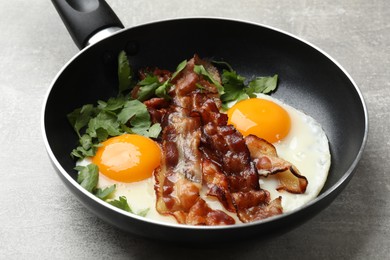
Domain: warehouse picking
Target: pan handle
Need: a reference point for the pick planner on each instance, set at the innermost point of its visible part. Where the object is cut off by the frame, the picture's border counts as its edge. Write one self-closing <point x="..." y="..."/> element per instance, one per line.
<point x="86" y="18"/>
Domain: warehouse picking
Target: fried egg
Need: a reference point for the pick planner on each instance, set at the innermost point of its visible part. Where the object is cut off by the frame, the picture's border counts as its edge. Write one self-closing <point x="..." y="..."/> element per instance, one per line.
<point x="297" y="137"/>
<point x="128" y="161"/>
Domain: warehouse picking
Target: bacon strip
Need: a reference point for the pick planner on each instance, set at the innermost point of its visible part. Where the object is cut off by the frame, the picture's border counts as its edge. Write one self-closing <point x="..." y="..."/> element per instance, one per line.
<point x="225" y="147"/>
<point x="199" y="148"/>
<point x="179" y="178"/>
<point x="267" y="162"/>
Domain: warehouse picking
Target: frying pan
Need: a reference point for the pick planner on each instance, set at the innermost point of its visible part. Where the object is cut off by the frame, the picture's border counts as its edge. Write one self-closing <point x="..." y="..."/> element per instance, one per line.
<point x="310" y="80"/>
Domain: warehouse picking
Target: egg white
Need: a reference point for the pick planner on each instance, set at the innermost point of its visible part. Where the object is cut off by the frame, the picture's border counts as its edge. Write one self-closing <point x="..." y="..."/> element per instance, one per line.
<point x="306" y="146"/>
<point x="140" y="195"/>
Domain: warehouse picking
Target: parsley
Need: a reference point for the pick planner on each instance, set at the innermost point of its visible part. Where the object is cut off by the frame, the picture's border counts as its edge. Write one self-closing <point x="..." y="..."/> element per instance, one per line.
<point x="137" y="114"/>
<point x="111" y="118"/>
<point x="80" y="117"/>
<point x="125" y="73"/>
<point x="237" y="88"/>
<point x="161" y="91"/>
<point x="121" y="203"/>
<point x="148" y="87"/>
<point x="88" y="176"/>
<point x="179" y="68"/>
<point x="200" y="69"/>
<point x="264" y="85"/>
<point x="234" y="86"/>
<point x="105" y="193"/>
<point x="143" y="213"/>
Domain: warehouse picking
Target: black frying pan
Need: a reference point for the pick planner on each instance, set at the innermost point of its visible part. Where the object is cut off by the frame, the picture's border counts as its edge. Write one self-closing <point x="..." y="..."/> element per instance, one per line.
<point x="310" y="81"/>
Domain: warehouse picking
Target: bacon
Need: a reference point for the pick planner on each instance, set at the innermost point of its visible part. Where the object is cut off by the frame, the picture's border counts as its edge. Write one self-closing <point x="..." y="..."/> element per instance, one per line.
<point x="179" y="178"/>
<point x="217" y="184"/>
<point x="157" y="108"/>
<point x="224" y="146"/>
<point x="267" y="162"/>
<point x="201" y="150"/>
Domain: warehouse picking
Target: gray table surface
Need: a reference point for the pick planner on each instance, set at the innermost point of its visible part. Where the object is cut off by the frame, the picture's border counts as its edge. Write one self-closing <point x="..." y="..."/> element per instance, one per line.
<point x="39" y="219"/>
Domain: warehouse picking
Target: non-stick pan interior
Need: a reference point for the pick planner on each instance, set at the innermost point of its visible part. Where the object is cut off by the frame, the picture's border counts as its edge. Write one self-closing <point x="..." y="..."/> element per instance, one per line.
<point x="309" y="80"/>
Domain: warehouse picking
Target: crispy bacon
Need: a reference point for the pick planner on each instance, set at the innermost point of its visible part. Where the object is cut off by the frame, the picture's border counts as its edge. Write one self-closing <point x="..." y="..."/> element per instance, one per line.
<point x="224" y="146"/>
<point x="179" y="178"/>
<point x="201" y="149"/>
<point x="267" y="162"/>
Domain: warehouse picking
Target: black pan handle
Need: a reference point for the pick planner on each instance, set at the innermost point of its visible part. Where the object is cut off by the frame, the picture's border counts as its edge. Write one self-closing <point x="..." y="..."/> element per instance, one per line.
<point x="84" y="18"/>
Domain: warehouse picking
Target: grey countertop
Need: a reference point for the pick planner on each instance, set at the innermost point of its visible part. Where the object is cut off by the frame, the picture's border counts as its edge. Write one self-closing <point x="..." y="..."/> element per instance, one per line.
<point x="40" y="219"/>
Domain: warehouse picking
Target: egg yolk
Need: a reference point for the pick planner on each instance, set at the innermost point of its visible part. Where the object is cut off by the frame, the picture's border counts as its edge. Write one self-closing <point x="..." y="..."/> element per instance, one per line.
<point x="260" y="117"/>
<point x="128" y="158"/>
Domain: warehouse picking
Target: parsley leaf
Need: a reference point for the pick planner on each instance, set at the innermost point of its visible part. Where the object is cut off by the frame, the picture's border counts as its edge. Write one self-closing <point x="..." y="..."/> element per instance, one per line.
<point x="237" y="89"/>
<point x="131" y="109"/>
<point x="263" y="84"/>
<point x="88" y="176"/>
<point x="111" y="118"/>
<point x="154" y="130"/>
<point x="106" y="122"/>
<point x="179" y="68"/>
<point x="125" y="73"/>
<point x="143" y="213"/>
<point x="112" y="104"/>
<point x="80" y="117"/>
<point x="121" y="203"/>
<point x="88" y="147"/>
<point x="234" y="86"/>
<point x="161" y="91"/>
<point x="105" y="193"/>
<point x="148" y="87"/>
<point x="200" y="69"/>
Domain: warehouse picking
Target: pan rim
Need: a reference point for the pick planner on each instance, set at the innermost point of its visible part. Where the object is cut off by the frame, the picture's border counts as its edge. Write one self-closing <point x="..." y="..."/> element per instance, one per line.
<point x="348" y="174"/>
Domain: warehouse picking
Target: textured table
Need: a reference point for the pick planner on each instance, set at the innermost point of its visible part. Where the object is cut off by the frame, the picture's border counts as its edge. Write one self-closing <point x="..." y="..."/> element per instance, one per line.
<point x="39" y="219"/>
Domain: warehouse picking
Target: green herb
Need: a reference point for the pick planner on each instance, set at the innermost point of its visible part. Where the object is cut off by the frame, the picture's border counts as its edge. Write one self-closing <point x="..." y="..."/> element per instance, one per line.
<point x="161" y="91"/>
<point x="234" y="86"/>
<point x="137" y="114"/>
<point x="125" y="73"/>
<point x="179" y="68"/>
<point x="143" y="213"/>
<point x="105" y="193"/>
<point x="121" y="203"/>
<point x="86" y="148"/>
<point x="237" y="89"/>
<point x="80" y="117"/>
<point x="200" y="69"/>
<point x="111" y="118"/>
<point x="88" y="176"/>
<point x="148" y="87"/>
<point x="154" y="130"/>
<point x="133" y="109"/>
<point x="263" y="85"/>
<point x="113" y="104"/>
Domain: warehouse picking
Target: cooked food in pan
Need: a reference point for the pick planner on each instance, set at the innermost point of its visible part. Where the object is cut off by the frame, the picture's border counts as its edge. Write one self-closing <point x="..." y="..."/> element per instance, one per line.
<point x="199" y="146"/>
